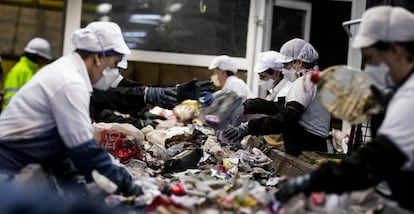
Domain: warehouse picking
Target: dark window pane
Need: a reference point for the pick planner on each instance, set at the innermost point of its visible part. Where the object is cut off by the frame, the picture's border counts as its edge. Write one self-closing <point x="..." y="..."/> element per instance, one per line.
<point x="287" y="24"/>
<point x="178" y="26"/>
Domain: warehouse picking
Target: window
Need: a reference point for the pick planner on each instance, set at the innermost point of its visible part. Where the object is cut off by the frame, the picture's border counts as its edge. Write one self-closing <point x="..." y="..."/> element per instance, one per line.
<point x="291" y="19"/>
<point x="20" y="22"/>
<point x="204" y="27"/>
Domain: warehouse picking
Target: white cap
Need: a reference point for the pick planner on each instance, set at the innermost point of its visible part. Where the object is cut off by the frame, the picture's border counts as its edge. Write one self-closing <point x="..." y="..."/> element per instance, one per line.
<point x="39" y="46"/>
<point x="308" y="53"/>
<point x="100" y="36"/>
<point x="223" y="62"/>
<point x="386" y="24"/>
<point x="291" y="49"/>
<point x="269" y="59"/>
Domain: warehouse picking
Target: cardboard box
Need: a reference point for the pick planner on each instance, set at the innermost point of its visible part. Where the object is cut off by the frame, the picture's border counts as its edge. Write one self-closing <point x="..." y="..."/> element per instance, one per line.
<point x="287" y="165"/>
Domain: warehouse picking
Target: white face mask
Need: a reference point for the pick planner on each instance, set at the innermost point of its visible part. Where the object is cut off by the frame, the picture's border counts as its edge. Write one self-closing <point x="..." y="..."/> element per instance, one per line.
<point x="380" y="73"/>
<point x="215" y="80"/>
<point x="267" y="84"/>
<point x="109" y="76"/>
<point x="289" y="74"/>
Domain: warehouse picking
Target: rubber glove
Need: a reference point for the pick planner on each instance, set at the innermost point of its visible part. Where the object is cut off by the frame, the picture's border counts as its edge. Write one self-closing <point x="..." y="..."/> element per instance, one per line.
<point x="132" y="190"/>
<point x="163" y="97"/>
<point x="236" y="133"/>
<point x="192" y="90"/>
<point x="292" y="187"/>
<point x="149" y="118"/>
<point x="383" y="95"/>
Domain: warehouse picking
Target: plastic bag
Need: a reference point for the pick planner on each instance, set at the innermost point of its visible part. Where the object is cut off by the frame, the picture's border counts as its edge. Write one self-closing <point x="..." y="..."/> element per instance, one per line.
<point x="225" y="109"/>
<point x="122" y="140"/>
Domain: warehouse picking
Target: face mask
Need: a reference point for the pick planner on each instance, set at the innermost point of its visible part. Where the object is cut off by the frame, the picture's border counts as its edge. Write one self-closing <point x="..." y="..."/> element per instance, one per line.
<point x="289" y="74"/>
<point x="215" y="80"/>
<point x="109" y="76"/>
<point x="267" y="84"/>
<point x="380" y="74"/>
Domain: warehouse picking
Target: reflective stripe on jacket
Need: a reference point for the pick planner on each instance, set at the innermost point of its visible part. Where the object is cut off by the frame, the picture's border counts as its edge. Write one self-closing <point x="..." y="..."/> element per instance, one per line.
<point x="20" y="73"/>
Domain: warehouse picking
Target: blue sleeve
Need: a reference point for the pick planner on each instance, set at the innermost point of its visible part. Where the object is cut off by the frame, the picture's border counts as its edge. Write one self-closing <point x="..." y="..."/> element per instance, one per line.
<point x="89" y="156"/>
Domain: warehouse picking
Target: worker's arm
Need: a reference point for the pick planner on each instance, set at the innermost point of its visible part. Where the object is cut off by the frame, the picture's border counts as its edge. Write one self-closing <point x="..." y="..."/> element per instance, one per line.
<point x="129" y="100"/>
<point x="89" y="156"/>
<point x="261" y="106"/>
<point x="275" y="124"/>
<point x="267" y="125"/>
<point x="70" y="107"/>
<point x="377" y="161"/>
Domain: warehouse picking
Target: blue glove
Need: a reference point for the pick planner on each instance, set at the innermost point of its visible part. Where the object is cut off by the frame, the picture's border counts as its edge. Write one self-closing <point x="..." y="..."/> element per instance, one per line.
<point x="236" y="133"/>
<point x="193" y="89"/>
<point x="162" y="97"/>
<point x="89" y="156"/>
<point x="132" y="190"/>
<point x="292" y="187"/>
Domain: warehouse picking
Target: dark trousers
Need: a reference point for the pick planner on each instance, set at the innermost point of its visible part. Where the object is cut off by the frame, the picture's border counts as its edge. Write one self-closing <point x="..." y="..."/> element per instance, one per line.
<point x="296" y="139"/>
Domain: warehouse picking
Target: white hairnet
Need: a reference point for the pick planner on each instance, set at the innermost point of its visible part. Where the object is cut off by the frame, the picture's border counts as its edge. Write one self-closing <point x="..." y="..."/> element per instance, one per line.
<point x="100" y="36"/>
<point x="299" y="49"/>
<point x="291" y="49"/>
<point x="308" y="54"/>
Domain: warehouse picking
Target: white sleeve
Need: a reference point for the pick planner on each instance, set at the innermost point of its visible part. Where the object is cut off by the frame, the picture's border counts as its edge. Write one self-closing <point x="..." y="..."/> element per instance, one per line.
<point x="239" y="88"/>
<point x="398" y="126"/>
<point x="298" y="93"/>
<point x="70" y="107"/>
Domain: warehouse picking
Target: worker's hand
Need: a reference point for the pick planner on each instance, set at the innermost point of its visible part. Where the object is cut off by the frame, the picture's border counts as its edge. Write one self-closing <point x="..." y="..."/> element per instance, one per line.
<point x="133" y="190"/>
<point x="149" y="118"/>
<point x="293" y="186"/>
<point x="193" y="89"/>
<point x="163" y="97"/>
<point x="236" y="133"/>
<point x="382" y="95"/>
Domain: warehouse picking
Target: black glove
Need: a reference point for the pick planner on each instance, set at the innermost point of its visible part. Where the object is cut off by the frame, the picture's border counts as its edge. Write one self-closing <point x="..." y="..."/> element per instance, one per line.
<point x="132" y="190"/>
<point x="193" y="89"/>
<point x="236" y="133"/>
<point x="383" y="95"/>
<point x="149" y="118"/>
<point x="162" y="97"/>
<point x="292" y="187"/>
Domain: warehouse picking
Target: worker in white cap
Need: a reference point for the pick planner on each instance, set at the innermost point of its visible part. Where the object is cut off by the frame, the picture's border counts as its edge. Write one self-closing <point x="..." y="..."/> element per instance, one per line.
<point x="224" y="71"/>
<point x="300" y="57"/>
<point x="36" y="54"/>
<point x="303" y="120"/>
<point x="385" y="36"/>
<point x="269" y="68"/>
<point x="271" y="78"/>
<point x="47" y="122"/>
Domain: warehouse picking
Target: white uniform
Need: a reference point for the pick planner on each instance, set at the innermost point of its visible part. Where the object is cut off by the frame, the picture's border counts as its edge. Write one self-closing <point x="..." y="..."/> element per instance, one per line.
<point x="316" y="119"/>
<point x="397" y="124"/>
<point x="56" y="97"/>
<point x="237" y="85"/>
<point x="280" y="90"/>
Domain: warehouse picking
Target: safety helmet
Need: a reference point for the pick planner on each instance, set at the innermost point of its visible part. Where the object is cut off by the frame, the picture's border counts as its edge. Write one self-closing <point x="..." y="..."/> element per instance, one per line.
<point x="40" y="47"/>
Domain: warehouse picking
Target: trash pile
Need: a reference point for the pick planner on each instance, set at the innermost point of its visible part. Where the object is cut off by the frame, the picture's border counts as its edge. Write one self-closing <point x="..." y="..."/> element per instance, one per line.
<point x="183" y="168"/>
